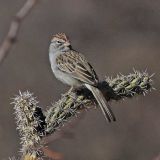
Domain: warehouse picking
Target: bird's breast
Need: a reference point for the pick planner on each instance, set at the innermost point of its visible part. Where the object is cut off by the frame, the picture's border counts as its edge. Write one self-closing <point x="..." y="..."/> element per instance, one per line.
<point x="60" y="75"/>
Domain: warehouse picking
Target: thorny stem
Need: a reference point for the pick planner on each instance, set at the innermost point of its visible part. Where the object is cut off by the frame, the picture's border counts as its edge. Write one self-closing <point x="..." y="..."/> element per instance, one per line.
<point x="34" y="125"/>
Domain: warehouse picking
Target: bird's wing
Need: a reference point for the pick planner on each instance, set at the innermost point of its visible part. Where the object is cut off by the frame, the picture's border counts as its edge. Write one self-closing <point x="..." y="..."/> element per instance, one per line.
<point x="77" y="66"/>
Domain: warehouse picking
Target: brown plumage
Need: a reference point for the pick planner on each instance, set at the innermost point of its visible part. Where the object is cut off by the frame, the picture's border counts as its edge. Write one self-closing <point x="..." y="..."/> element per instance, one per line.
<point x="72" y="68"/>
<point x="76" y="65"/>
<point x="61" y="36"/>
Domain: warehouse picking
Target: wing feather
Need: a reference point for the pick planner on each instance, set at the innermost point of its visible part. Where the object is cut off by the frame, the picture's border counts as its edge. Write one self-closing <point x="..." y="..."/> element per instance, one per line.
<point x="77" y="66"/>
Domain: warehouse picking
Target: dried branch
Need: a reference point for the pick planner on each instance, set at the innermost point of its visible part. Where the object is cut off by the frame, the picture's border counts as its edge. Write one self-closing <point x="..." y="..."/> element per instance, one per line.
<point x="34" y="125"/>
<point x="11" y="37"/>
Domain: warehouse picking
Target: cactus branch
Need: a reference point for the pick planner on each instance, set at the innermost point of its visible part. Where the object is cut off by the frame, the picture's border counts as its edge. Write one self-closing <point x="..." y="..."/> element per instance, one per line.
<point x="34" y="124"/>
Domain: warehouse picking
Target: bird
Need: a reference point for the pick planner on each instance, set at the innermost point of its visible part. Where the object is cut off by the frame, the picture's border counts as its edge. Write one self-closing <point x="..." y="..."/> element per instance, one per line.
<point x="73" y="69"/>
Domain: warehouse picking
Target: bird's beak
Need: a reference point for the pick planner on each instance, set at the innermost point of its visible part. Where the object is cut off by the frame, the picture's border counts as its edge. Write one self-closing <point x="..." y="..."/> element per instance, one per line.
<point x="67" y="44"/>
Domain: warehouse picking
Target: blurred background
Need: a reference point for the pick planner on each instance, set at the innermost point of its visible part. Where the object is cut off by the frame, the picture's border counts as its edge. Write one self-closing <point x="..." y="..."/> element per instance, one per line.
<point x="115" y="36"/>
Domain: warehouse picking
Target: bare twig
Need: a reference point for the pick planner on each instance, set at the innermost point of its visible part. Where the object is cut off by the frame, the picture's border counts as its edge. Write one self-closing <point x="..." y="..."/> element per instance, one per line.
<point x="11" y="37"/>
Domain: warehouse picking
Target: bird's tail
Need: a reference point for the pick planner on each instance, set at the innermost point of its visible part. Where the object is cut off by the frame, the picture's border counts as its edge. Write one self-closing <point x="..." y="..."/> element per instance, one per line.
<point x="102" y="103"/>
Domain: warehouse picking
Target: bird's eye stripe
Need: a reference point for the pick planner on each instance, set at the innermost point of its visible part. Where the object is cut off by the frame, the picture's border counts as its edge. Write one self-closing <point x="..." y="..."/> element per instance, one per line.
<point x="58" y="42"/>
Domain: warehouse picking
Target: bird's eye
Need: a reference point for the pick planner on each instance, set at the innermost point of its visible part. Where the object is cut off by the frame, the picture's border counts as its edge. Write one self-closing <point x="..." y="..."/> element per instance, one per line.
<point x="58" y="42"/>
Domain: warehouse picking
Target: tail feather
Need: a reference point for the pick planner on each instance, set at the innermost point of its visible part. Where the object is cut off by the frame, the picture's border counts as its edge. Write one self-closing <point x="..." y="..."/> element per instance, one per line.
<point x="102" y="103"/>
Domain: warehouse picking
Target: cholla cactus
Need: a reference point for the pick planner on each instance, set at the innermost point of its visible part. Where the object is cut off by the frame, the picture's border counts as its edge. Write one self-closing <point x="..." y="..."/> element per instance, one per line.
<point x="65" y="108"/>
<point x="26" y="157"/>
<point x="30" y="156"/>
<point x="30" y="121"/>
<point x="33" y="124"/>
<point x="113" y="88"/>
<point x="132" y="84"/>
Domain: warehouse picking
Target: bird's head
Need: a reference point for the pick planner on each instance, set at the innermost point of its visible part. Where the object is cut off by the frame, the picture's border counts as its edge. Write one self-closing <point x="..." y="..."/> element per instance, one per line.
<point x="60" y="42"/>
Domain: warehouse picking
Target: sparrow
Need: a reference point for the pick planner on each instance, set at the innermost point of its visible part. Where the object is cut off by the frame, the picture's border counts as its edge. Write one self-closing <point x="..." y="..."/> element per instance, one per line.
<point x="73" y="69"/>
